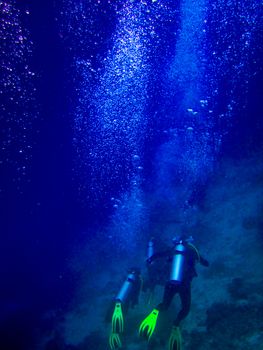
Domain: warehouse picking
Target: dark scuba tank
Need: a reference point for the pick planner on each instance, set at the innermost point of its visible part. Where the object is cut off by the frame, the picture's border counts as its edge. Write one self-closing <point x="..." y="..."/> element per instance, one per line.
<point x="126" y="288"/>
<point x="150" y="248"/>
<point x="176" y="275"/>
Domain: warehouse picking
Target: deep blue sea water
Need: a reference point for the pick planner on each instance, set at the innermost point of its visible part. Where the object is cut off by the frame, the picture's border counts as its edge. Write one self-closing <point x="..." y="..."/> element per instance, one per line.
<point x="113" y="115"/>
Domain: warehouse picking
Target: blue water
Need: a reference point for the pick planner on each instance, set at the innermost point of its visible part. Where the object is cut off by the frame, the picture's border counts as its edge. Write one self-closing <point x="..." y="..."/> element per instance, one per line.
<point x="113" y="111"/>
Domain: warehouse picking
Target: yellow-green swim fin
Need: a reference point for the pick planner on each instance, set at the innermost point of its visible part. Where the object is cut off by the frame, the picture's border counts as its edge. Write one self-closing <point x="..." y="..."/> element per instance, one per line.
<point x="117" y="321"/>
<point x="115" y="341"/>
<point x="175" y="340"/>
<point x="148" y="324"/>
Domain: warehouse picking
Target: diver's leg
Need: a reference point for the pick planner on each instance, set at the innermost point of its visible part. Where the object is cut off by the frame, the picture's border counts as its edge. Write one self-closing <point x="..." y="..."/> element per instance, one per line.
<point x="185" y="295"/>
<point x="168" y="295"/>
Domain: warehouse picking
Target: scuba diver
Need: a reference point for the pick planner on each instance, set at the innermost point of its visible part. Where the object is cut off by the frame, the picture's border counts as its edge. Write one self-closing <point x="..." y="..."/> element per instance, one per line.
<point x="182" y="258"/>
<point x="127" y="296"/>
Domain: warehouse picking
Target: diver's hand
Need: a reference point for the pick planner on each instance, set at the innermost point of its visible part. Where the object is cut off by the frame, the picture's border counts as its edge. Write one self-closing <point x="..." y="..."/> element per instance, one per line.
<point x="204" y="262"/>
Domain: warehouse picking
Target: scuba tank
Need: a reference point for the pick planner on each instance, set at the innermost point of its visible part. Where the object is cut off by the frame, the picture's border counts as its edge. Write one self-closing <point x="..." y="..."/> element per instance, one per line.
<point x="127" y="286"/>
<point x="176" y="275"/>
<point x="150" y="248"/>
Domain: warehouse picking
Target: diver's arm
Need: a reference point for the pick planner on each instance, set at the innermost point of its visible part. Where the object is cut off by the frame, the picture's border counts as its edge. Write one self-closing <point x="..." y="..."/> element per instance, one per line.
<point x="199" y="258"/>
<point x="159" y="255"/>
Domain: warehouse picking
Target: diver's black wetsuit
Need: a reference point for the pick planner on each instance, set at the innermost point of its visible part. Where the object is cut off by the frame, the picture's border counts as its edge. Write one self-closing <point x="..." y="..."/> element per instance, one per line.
<point x="184" y="288"/>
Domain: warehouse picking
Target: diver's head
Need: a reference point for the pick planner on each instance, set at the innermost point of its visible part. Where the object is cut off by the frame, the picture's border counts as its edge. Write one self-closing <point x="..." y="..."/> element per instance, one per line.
<point x="134" y="270"/>
<point x="182" y="238"/>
